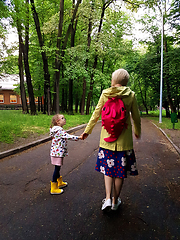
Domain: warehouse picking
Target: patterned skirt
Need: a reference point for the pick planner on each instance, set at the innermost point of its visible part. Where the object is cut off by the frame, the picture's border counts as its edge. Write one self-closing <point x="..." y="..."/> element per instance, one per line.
<point x="116" y="163"/>
<point x="57" y="161"/>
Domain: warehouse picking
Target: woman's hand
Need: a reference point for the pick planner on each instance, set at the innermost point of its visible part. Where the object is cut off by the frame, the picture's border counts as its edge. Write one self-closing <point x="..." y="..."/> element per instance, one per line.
<point x="138" y="137"/>
<point x="84" y="135"/>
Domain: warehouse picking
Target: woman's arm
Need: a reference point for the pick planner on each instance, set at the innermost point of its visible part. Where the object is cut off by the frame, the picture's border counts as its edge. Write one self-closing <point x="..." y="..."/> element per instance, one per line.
<point x="95" y="116"/>
<point x="136" y="117"/>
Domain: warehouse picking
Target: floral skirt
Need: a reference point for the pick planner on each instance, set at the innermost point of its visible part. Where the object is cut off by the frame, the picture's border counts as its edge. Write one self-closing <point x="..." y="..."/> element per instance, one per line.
<point x="116" y="163"/>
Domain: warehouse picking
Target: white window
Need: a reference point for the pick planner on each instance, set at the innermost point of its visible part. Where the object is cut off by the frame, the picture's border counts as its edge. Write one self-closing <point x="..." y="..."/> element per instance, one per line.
<point x="1" y="98"/>
<point x="13" y="99"/>
<point x="36" y="100"/>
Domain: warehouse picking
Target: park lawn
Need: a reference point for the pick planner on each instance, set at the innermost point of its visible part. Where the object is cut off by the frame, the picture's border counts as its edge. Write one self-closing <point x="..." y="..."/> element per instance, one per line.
<point x="14" y="124"/>
<point x="166" y="122"/>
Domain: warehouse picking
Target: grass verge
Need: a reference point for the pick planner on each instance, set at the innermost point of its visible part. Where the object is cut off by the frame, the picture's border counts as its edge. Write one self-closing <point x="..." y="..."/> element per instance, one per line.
<point x="14" y="124"/>
<point x="166" y="122"/>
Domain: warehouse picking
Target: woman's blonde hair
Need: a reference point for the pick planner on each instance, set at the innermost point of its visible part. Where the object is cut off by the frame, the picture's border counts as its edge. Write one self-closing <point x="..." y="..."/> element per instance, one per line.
<point x="120" y="76"/>
<point x="54" y="120"/>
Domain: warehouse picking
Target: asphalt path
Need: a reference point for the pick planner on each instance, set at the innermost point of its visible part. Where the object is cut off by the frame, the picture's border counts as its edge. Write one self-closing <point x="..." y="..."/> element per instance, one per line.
<point x="150" y="201"/>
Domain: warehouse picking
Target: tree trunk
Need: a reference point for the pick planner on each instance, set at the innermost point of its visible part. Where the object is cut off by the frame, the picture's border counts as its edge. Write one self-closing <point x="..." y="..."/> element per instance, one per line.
<point x="44" y="57"/>
<point x="166" y="105"/>
<point x="89" y="97"/>
<point x="105" y="5"/>
<point x="45" y="99"/>
<point x="166" y="77"/>
<point x="177" y="100"/>
<point x="70" y="105"/>
<point x="57" y="61"/>
<point x="73" y="31"/>
<point x="64" y="95"/>
<point x="80" y="106"/>
<point x="70" y="108"/>
<point x="41" y="104"/>
<point x="21" y="76"/>
<point x="91" y="88"/>
<point x="29" y="83"/>
<point x="86" y="66"/>
<point x="59" y="58"/>
<point x="143" y="100"/>
<point x="102" y="86"/>
<point x="25" y="49"/>
<point x="76" y="102"/>
<point x="26" y="63"/>
<point x="65" y="98"/>
<point x="83" y="96"/>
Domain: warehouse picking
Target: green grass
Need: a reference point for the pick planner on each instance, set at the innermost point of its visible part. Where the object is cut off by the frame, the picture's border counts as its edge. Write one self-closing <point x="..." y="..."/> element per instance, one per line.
<point x="166" y="122"/>
<point x="14" y="124"/>
<point x="155" y="113"/>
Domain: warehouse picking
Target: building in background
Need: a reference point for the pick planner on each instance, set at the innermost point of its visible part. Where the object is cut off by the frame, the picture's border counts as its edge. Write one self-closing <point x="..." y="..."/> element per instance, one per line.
<point x="7" y="86"/>
<point x="8" y="97"/>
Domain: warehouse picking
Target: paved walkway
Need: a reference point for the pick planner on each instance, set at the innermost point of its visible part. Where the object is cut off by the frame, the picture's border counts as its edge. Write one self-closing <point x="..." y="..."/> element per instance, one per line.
<point x="150" y="208"/>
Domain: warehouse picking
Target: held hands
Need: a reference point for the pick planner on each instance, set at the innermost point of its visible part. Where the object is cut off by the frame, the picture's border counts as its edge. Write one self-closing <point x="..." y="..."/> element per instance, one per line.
<point x="83" y="136"/>
<point x="138" y="137"/>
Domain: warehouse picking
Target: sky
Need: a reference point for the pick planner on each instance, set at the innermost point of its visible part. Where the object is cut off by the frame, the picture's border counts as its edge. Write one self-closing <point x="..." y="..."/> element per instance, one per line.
<point x="12" y="36"/>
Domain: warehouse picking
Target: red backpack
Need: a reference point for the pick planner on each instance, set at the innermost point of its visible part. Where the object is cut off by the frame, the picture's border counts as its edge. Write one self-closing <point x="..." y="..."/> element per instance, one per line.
<point x="113" y="118"/>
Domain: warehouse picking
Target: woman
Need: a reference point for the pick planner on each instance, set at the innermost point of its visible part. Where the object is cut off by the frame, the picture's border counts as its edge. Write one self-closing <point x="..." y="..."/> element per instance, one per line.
<point x="117" y="157"/>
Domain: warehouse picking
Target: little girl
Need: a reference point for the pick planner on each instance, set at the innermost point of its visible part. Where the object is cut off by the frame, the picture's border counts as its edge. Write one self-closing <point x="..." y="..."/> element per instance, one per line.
<point x="59" y="151"/>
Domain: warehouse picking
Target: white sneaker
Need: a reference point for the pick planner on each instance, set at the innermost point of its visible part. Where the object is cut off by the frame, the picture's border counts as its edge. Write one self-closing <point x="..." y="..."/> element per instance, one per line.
<point x="106" y="204"/>
<point x="115" y="206"/>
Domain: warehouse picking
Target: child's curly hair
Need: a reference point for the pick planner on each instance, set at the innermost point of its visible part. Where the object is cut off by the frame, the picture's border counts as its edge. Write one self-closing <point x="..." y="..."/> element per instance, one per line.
<point x="54" y="120"/>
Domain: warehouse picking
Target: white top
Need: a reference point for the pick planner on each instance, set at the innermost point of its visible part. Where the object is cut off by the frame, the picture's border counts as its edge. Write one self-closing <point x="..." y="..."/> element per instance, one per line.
<point x="59" y="141"/>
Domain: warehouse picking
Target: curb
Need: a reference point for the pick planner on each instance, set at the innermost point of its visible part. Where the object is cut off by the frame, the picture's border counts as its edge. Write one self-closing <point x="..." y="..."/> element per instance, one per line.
<point x="35" y="143"/>
<point x="177" y="149"/>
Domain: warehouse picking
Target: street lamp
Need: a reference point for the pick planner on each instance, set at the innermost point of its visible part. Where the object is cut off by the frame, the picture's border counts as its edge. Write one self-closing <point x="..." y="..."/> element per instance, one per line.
<point x="161" y="79"/>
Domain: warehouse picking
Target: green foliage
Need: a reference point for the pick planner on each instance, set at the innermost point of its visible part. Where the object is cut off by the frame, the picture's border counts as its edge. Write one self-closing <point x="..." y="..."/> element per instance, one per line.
<point x="111" y="47"/>
<point x="174" y="18"/>
<point x="146" y="80"/>
<point x="3" y="9"/>
<point x="10" y="64"/>
<point x="154" y="113"/>
<point x="145" y="68"/>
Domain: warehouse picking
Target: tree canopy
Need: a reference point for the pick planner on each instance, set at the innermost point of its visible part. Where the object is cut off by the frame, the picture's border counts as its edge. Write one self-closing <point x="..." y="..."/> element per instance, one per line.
<point x="69" y="49"/>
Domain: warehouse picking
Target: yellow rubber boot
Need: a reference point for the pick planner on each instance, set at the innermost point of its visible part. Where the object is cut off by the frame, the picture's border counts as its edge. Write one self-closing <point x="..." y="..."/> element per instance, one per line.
<point x="61" y="184"/>
<point x="55" y="189"/>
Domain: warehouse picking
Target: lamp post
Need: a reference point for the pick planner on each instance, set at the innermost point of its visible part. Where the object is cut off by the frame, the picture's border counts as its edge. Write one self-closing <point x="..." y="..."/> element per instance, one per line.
<point x="161" y="78"/>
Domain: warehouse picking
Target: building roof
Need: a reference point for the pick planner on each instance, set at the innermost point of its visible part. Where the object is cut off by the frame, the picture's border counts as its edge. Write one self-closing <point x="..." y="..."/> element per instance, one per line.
<point x="7" y="81"/>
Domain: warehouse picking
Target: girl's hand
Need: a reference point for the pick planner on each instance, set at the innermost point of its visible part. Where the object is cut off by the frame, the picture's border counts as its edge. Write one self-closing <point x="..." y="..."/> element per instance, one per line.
<point x="80" y="137"/>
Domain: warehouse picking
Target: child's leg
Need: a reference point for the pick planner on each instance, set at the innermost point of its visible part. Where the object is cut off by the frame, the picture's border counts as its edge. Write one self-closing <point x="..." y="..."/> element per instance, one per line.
<point x="118" y="183"/>
<point x="56" y="173"/>
<point x="54" y="183"/>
